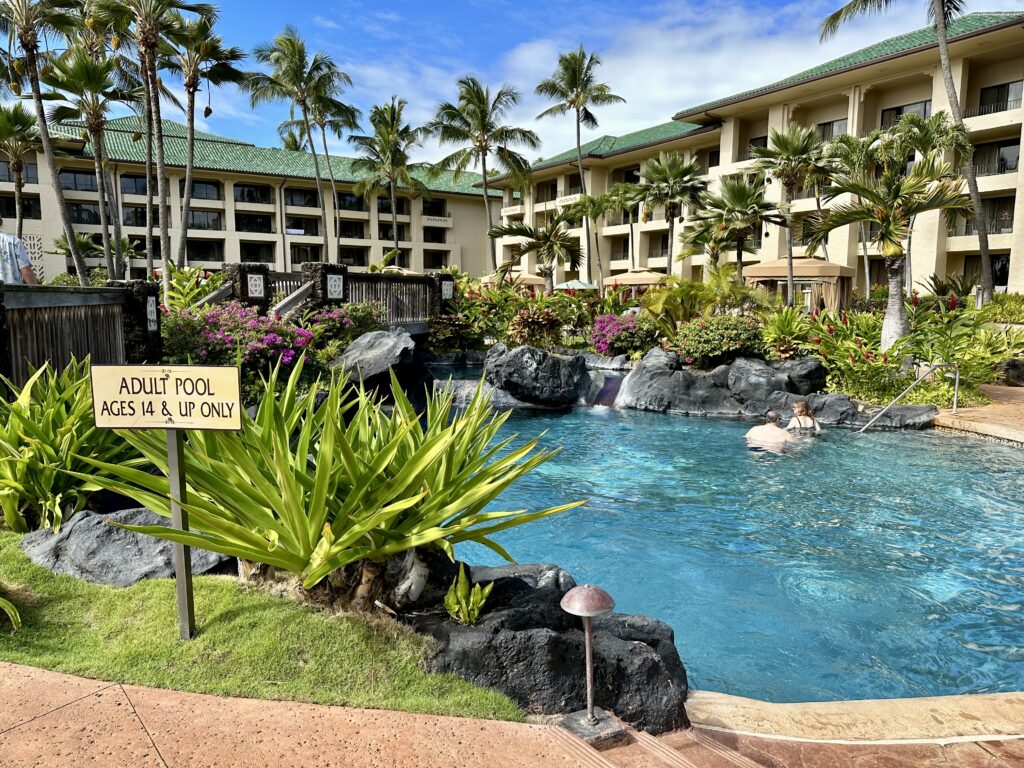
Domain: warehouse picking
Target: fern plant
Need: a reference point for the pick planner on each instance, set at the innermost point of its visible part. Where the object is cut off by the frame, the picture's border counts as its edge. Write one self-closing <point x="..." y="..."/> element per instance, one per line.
<point x="463" y="604"/>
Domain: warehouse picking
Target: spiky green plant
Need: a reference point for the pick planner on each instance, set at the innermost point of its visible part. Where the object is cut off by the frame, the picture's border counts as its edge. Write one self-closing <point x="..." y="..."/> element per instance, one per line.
<point x="463" y="604"/>
<point x="315" y="484"/>
<point x="12" y="613"/>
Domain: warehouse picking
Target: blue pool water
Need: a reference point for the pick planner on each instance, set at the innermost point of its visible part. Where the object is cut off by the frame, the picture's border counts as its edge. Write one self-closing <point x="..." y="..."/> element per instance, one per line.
<point x="862" y="566"/>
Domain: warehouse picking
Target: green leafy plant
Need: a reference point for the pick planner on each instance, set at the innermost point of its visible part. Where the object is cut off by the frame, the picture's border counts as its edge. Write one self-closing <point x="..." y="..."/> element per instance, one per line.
<point x="7" y="607"/>
<point x="316" y="484"/>
<point x="786" y="332"/>
<point x="1006" y="308"/>
<point x="187" y="285"/>
<point x="47" y="428"/>
<point x="463" y="604"/>
<point x="535" y="325"/>
<point x="719" y="339"/>
<point x="97" y="278"/>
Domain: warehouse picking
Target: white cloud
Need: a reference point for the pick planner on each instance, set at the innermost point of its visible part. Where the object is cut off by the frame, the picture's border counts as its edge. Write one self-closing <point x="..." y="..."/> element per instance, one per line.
<point x="323" y="23"/>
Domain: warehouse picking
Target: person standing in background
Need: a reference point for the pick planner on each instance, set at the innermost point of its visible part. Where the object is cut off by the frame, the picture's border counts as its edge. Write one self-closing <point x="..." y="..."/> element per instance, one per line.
<point x="15" y="265"/>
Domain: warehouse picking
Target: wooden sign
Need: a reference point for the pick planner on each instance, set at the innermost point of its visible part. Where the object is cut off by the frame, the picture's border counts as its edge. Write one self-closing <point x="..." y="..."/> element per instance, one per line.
<point x="206" y="397"/>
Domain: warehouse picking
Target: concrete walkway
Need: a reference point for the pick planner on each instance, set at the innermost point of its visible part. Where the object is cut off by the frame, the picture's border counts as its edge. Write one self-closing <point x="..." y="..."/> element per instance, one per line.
<point x="1002" y="419"/>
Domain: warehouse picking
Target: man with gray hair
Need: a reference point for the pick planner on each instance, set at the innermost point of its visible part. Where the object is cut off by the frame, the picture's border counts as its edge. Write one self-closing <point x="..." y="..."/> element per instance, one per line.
<point x="15" y="266"/>
<point x="769" y="436"/>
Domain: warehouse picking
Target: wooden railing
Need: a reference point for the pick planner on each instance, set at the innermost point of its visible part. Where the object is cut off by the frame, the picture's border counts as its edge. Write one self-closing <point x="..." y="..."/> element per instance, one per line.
<point x="53" y="324"/>
<point x="284" y="283"/>
<point x="405" y="297"/>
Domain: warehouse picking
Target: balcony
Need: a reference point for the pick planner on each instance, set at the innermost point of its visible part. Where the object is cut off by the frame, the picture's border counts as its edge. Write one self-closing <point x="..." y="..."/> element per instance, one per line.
<point x="513" y="210"/>
<point x="570" y="199"/>
<point x="657" y="253"/>
<point x="991" y="109"/>
<point x="995" y="227"/>
<point x="994" y="169"/>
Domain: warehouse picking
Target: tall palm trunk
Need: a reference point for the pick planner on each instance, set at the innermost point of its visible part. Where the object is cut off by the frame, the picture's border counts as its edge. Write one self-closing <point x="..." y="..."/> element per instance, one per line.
<point x="487" y="212"/>
<point x="867" y="261"/>
<point x="817" y="204"/>
<point x="190" y="161"/>
<point x="895" y="324"/>
<point x="334" y="194"/>
<point x="987" y="286"/>
<point x="739" y="258"/>
<point x="114" y="211"/>
<point x="19" y="202"/>
<point x="319" y="181"/>
<point x="147" y="117"/>
<point x="394" y="215"/>
<point x="97" y="163"/>
<point x="161" y="176"/>
<point x="790" y="284"/>
<point x="632" y="264"/>
<point x="583" y="191"/>
<point x="28" y="44"/>
<point x="670" y="213"/>
<point x="909" y="265"/>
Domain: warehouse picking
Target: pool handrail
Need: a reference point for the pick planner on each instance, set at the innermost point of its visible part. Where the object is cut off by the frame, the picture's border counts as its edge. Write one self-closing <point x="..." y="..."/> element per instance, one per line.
<point x="922" y="377"/>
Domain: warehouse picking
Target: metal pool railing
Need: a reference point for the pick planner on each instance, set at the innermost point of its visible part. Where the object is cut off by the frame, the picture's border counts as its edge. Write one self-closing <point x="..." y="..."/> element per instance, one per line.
<point x="922" y="377"/>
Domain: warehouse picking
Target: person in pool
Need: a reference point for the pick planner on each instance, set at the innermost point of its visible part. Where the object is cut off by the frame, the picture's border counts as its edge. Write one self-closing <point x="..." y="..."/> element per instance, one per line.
<point x="803" y="422"/>
<point x="769" y="436"/>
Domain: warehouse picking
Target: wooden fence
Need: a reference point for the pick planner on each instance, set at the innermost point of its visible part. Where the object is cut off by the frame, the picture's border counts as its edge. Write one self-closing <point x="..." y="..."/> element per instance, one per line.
<point x="53" y="324"/>
<point x="284" y="283"/>
<point x="405" y="297"/>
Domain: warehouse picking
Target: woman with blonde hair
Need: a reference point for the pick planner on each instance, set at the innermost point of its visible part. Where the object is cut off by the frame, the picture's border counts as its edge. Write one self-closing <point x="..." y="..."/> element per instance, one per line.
<point x="803" y="422"/>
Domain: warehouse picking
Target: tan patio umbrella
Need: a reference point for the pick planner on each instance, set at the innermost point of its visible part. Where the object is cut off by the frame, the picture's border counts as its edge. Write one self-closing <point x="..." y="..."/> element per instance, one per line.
<point x="830" y="282"/>
<point x="393" y="270"/>
<point x="522" y="278"/>
<point x="635" y="277"/>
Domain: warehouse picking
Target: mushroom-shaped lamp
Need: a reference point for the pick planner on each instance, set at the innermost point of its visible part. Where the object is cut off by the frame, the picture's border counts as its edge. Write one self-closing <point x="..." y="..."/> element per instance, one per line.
<point x="587" y="601"/>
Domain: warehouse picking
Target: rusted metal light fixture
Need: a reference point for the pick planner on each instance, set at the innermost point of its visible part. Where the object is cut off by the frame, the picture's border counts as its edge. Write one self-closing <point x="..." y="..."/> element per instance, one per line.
<point x="588" y="601"/>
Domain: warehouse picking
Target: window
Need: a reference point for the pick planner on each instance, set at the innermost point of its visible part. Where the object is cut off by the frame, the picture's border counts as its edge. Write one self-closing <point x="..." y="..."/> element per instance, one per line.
<point x="256" y="252"/>
<point x="629" y="175"/>
<point x="714" y="158"/>
<point x="545" y="192"/>
<point x="829" y="130"/>
<point x="997" y="157"/>
<point x="434" y="234"/>
<point x="205" y="220"/>
<point x="353" y="257"/>
<point x="384" y="232"/>
<point x="350" y="202"/>
<point x="303" y="253"/>
<point x="306" y="198"/>
<point x="77" y="181"/>
<point x="254" y="222"/>
<point x="1000" y="268"/>
<point x="892" y="115"/>
<point x="133" y="184"/>
<point x="573" y="186"/>
<point x="135" y="215"/>
<point x="202" y="190"/>
<point x="254" y="193"/>
<point x="999" y="98"/>
<point x="84" y="213"/>
<point x="29" y="207"/>
<point x="138" y="245"/>
<point x="435" y="259"/>
<point x="302" y="225"/>
<point x="205" y="250"/>
<point x="999" y="214"/>
<point x="757" y="141"/>
<point x="351" y="229"/>
<point x="29" y="172"/>
<point x="434" y="208"/>
<point x="401" y="260"/>
<point x="401" y="205"/>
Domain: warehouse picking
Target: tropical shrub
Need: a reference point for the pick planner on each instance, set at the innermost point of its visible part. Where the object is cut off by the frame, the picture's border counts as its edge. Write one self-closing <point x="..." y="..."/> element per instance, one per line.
<point x="97" y="278"/>
<point x="454" y="332"/>
<point x="46" y="428"/>
<point x="629" y="334"/>
<point x="335" y="328"/>
<point x="786" y="332"/>
<point x="536" y="326"/>
<point x="7" y="607"/>
<point x="187" y="285"/>
<point x="1006" y="308"/>
<point x="463" y="604"/>
<point x="312" y="486"/>
<point x="719" y="339"/>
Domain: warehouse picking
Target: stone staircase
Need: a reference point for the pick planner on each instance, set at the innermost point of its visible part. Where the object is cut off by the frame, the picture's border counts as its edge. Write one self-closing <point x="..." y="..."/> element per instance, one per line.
<point x="692" y="748"/>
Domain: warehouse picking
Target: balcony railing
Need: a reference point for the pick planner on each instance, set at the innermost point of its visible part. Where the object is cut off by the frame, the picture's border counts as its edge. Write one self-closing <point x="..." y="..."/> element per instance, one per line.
<point x="968" y="228"/>
<point x="994" y="169"/>
<point x="991" y="109"/>
<point x="657" y="253"/>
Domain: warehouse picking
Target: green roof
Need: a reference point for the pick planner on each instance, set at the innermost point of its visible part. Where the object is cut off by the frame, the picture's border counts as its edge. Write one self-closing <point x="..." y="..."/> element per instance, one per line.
<point x="226" y="155"/>
<point x="970" y="24"/>
<point x="615" y="145"/>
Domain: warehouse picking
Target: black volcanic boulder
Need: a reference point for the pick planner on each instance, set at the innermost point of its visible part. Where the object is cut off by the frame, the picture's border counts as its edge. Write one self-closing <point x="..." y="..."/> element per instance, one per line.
<point x="806" y="376"/>
<point x="374" y="353"/>
<point x="90" y="548"/>
<point x="526" y="646"/>
<point x="538" y="377"/>
<point x="1013" y="372"/>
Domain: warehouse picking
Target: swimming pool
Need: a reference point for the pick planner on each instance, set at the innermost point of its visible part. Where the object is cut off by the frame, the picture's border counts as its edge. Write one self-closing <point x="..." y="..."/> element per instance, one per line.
<point x="862" y="566"/>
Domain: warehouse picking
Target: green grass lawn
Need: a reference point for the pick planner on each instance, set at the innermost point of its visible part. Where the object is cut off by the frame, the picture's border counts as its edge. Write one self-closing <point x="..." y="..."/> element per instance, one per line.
<point x="248" y="644"/>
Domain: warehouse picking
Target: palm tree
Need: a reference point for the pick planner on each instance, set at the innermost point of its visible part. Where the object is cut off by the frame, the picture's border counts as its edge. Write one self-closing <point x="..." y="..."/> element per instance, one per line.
<point x="735" y="214"/>
<point x="384" y="159"/>
<point x="857" y="159"/>
<point x="148" y="23"/>
<point x="574" y="89"/>
<point x="19" y="138"/>
<point x="591" y="208"/>
<point x="200" y="55"/>
<point x="940" y="13"/>
<point x="292" y="139"/>
<point x="299" y="78"/>
<point x="890" y="203"/>
<point x="89" y="87"/>
<point x="916" y="134"/>
<point x="673" y="184"/>
<point x="26" y="23"/>
<point x="791" y="157"/>
<point x="625" y="197"/>
<point x="552" y="243"/>
<point x="475" y="124"/>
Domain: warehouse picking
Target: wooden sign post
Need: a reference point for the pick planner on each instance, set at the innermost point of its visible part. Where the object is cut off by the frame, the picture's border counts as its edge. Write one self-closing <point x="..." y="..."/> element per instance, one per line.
<point x="173" y="398"/>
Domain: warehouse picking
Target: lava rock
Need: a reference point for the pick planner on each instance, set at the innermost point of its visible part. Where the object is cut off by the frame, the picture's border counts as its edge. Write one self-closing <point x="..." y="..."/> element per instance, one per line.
<point x="1013" y="372"/>
<point x="463" y="391"/>
<point x="596" y="362"/>
<point x="535" y="376"/>
<point x="526" y="646"/>
<point x="374" y="353"/>
<point x="90" y="548"/>
<point x="806" y="376"/>
<point x="471" y="357"/>
<point x="537" y="575"/>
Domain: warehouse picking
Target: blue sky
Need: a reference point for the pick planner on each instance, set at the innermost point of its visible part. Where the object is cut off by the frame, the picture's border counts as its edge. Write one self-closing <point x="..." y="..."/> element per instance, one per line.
<point x="660" y="56"/>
